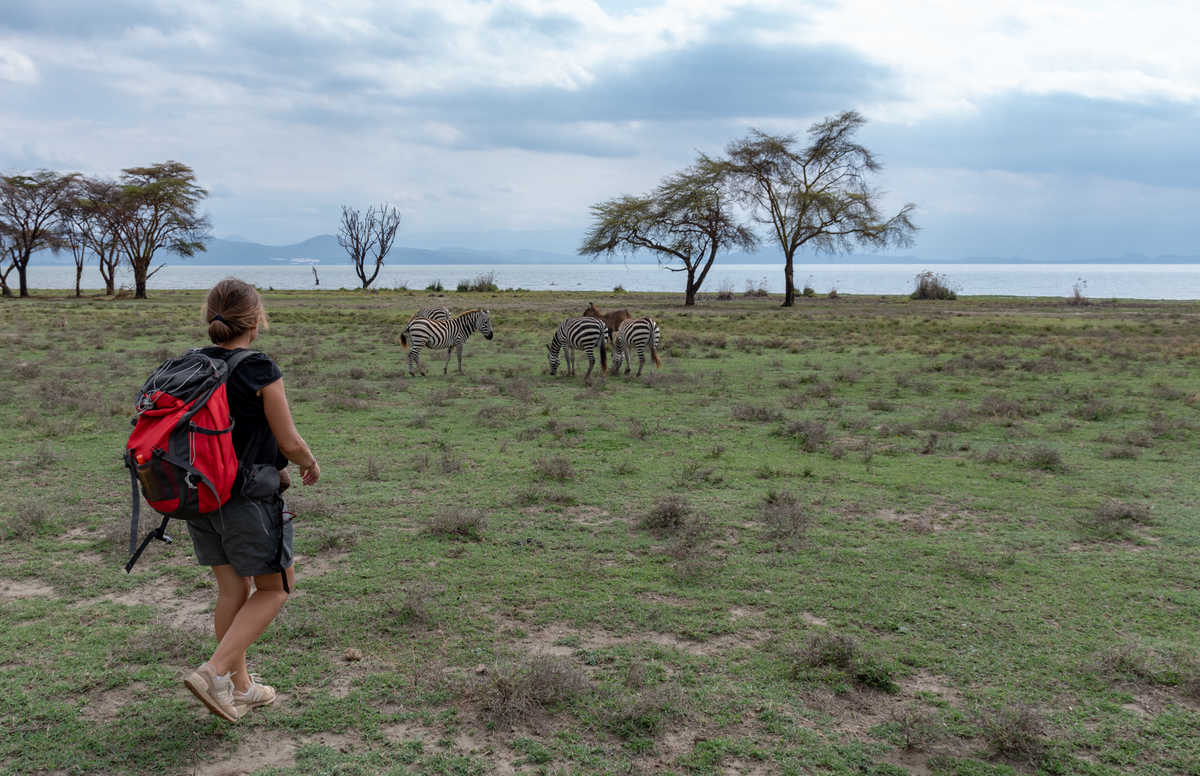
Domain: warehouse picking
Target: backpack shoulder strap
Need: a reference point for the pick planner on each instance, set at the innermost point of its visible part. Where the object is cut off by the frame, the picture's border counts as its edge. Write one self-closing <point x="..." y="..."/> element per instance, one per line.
<point x="232" y="362"/>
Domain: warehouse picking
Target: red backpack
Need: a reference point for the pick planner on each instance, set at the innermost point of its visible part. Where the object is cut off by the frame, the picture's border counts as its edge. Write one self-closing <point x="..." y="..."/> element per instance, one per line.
<point x="181" y="448"/>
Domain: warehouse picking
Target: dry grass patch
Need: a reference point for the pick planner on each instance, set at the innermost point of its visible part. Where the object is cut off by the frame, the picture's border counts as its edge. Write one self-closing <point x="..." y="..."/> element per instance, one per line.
<point x="457" y="523"/>
<point x="517" y="692"/>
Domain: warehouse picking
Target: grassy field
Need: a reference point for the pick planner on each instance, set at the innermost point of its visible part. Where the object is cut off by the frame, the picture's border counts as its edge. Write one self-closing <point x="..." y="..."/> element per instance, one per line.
<point x="865" y="535"/>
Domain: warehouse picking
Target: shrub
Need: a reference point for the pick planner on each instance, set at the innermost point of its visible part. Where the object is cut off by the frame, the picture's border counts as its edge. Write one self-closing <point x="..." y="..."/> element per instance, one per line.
<point x="811" y="434"/>
<point x="483" y="282"/>
<point x="619" y="289"/>
<point x="513" y="692"/>
<point x="725" y="290"/>
<point x="1016" y="732"/>
<point x="668" y="514"/>
<point x="785" y="520"/>
<point x="932" y="286"/>
<point x="750" y="412"/>
<point x="843" y="654"/>
<point x="1045" y="458"/>
<point x="1077" y="297"/>
<point x="435" y="286"/>
<point x="755" y="289"/>
<point x="555" y="468"/>
<point x="1115" y="519"/>
<point x="808" y="291"/>
<point x="462" y="524"/>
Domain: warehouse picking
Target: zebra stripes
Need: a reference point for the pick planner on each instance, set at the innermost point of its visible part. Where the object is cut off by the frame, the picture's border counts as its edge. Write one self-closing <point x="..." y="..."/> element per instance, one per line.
<point x="578" y="334"/>
<point x="636" y="334"/>
<point x="437" y="313"/>
<point x="449" y="334"/>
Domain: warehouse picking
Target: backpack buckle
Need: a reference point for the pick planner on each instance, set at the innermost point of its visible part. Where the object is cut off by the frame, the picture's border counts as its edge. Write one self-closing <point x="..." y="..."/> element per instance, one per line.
<point x="191" y="481"/>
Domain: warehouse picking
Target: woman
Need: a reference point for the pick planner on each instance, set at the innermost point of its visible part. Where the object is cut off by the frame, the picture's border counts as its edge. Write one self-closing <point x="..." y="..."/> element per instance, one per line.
<point x="249" y="539"/>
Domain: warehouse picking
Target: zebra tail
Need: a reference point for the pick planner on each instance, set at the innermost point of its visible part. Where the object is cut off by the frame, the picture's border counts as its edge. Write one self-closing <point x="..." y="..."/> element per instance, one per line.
<point x="603" y="358"/>
<point x="654" y="350"/>
<point x="404" y="337"/>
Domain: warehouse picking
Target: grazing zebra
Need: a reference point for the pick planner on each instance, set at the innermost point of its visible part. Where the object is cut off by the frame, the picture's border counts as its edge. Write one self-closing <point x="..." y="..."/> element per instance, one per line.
<point x="437" y="313"/>
<point x="638" y="333"/>
<point x="578" y="334"/>
<point x="450" y="334"/>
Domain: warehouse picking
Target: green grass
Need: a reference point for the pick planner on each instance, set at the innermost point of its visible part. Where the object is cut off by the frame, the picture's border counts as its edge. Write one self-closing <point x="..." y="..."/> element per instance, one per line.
<point x="862" y="535"/>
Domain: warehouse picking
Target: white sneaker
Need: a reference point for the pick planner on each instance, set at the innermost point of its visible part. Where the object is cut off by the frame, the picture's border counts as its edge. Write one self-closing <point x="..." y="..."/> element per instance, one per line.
<point x="215" y="692"/>
<point x="257" y="694"/>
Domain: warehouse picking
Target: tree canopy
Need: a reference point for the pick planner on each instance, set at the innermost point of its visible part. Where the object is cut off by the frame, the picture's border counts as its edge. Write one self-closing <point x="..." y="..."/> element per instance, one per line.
<point x="686" y="221"/>
<point x="367" y="238"/>
<point x="157" y="210"/>
<point x="30" y="210"/>
<point x="818" y="195"/>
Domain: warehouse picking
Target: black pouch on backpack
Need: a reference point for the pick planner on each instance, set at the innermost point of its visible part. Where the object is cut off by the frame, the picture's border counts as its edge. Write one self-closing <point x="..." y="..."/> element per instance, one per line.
<point x="260" y="482"/>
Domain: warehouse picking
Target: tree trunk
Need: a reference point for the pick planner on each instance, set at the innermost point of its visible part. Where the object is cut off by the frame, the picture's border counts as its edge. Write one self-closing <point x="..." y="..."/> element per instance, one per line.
<point x="789" y="288"/>
<point x="22" y="281"/>
<point x="689" y="297"/>
<point x="139" y="279"/>
<point x="78" y="277"/>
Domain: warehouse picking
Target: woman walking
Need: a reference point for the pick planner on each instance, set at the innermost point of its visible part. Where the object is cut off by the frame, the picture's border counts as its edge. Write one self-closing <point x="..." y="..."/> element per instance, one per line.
<point x="249" y="542"/>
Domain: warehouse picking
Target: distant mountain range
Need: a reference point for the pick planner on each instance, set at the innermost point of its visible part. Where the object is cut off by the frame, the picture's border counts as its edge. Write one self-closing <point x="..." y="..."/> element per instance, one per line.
<point x="324" y="249"/>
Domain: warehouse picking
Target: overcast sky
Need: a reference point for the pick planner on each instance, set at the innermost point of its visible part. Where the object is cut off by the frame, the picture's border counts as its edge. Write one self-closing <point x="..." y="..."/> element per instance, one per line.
<point x="1035" y="129"/>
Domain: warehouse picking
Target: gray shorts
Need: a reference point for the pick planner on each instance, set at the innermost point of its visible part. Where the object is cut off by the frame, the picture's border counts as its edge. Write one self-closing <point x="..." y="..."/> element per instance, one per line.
<point x="245" y="534"/>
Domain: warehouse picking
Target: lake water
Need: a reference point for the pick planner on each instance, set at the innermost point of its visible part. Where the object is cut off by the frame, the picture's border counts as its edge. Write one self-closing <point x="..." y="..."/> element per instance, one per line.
<point x="1100" y="281"/>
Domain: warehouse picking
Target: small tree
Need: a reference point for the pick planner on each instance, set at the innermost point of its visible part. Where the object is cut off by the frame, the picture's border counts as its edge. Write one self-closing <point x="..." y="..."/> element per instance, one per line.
<point x="7" y="265"/>
<point x="686" y="221"/>
<point x="30" y="209"/>
<point x="158" y="211"/>
<point x="367" y="238"/>
<point x="818" y="195"/>
<point x="99" y="210"/>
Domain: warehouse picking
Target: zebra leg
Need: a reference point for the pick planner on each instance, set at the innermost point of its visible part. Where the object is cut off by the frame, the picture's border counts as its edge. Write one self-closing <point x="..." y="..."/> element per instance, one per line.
<point x="446" y="368"/>
<point x="591" y="363"/>
<point x="414" y="361"/>
<point x="641" y="360"/>
<point x="460" y="358"/>
<point x="570" y="361"/>
<point x="625" y="351"/>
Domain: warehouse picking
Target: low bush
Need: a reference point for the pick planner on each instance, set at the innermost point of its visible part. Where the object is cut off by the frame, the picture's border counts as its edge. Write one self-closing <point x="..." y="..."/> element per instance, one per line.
<point x="669" y="513"/>
<point x="784" y="519"/>
<point x="461" y="524"/>
<point x="843" y="654"/>
<point x="932" y="286"/>
<point x="483" y="282"/>
<point x="1015" y="732"/>
<point x="516" y="692"/>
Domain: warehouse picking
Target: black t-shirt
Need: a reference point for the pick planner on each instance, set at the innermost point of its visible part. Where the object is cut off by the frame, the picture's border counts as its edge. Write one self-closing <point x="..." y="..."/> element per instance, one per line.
<point x="252" y="438"/>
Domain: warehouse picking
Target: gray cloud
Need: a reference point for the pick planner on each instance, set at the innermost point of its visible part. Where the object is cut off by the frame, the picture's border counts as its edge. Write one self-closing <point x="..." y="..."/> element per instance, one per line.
<point x="1065" y="134"/>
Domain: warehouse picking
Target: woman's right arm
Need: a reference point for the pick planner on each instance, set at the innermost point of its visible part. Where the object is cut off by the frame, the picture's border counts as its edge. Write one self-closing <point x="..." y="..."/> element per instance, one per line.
<point x="291" y="444"/>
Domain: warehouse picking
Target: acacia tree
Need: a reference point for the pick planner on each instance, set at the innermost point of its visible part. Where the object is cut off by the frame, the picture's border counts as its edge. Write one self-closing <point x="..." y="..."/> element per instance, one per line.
<point x="157" y="210"/>
<point x="7" y="265"/>
<point x="685" y="221"/>
<point x="98" y="208"/>
<point x="367" y="238"/>
<point x="30" y="209"/>
<point x="818" y="195"/>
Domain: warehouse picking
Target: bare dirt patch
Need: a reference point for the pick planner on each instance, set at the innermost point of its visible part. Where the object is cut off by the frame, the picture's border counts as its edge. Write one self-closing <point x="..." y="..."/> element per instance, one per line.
<point x="308" y="566"/>
<point x="563" y="641"/>
<point x="106" y="706"/>
<point x="813" y="619"/>
<point x="266" y="749"/>
<point x="191" y="612"/>
<point x="15" y="589"/>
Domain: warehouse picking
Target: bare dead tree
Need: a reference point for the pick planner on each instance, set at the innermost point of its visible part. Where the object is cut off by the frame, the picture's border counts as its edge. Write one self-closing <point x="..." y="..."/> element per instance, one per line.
<point x="819" y="195"/>
<point x="367" y="238"/>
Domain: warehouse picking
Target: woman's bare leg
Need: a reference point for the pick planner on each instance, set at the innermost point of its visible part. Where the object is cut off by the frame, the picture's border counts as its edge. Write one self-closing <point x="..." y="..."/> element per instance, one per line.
<point x="251" y="619"/>
<point x="232" y="592"/>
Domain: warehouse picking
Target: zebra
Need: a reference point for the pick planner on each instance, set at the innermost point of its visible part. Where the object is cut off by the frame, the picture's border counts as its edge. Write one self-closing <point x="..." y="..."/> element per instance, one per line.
<point x="638" y="333"/>
<point x="449" y="334"/>
<point x="578" y="334"/>
<point x="436" y="313"/>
